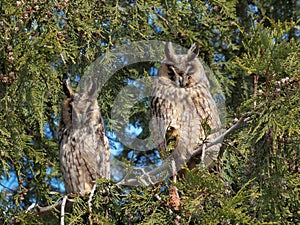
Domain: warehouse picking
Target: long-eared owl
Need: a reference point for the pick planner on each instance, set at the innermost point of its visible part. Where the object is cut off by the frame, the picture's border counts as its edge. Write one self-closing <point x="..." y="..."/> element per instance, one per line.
<point x="84" y="148"/>
<point x="184" y="113"/>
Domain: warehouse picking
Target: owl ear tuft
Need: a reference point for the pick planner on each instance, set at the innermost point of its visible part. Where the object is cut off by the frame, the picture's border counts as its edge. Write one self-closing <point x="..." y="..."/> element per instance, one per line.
<point x="92" y="89"/>
<point x="193" y="51"/>
<point x="169" y="51"/>
<point x="67" y="89"/>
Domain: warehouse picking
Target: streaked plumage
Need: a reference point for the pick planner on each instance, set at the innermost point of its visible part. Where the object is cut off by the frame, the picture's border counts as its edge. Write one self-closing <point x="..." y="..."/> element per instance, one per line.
<point x="183" y="109"/>
<point x="84" y="148"/>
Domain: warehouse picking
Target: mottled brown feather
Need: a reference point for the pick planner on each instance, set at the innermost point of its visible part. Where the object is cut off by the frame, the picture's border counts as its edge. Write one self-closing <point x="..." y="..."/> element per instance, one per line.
<point x="180" y="104"/>
<point x="84" y="148"/>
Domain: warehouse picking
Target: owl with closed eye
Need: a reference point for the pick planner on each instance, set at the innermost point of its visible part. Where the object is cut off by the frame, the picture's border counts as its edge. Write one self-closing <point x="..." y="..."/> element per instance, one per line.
<point x="184" y="113"/>
<point x="84" y="148"/>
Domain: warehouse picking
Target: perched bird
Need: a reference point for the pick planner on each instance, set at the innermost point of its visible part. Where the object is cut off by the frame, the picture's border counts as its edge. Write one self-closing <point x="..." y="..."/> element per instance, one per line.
<point x="84" y="148"/>
<point x="184" y="113"/>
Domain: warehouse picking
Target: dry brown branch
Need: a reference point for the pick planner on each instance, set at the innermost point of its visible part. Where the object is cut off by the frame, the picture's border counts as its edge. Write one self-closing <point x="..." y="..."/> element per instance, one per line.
<point x="163" y="19"/>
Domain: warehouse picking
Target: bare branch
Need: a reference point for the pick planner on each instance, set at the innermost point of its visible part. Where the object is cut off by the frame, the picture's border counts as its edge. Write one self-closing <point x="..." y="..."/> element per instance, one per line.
<point x="163" y="19"/>
<point x="42" y="210"/>
<point x="148" y="178"/>
<point x="62" y="210"/>
<point x="221" y="137"/>
<point x="255" y="84"/>
<point x="9" y="189"/>
<point x="30" y="207"/>
<point x="47" y="209"/>
<point x="90" y="203"/>
<point x="203" y="155"/>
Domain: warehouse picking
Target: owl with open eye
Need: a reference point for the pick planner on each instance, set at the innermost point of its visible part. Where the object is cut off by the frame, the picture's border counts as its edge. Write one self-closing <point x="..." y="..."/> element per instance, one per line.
<point x="184" y="113"/>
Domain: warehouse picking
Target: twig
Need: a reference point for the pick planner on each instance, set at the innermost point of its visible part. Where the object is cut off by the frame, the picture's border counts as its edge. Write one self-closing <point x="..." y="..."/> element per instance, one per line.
<point x="30" y="207"/>
<point x="174" y="171"/>
<point x="267" y="79"/>
<point x="9" y="189"/>
<point x="62" y="210"/>
<point x="46" y="209"/>
<point x="55" y="207"/>
<point x="203" y="155"/>
<point x="145" y="179"/>
<point x="255" y="83"/>
<point x="221" y="137"/>
<point x="62" y="58"/>
<point x="163" y="19"/>
<point x="150" y="177"/>
<point x="90" y="203"/>
<point x="158" y="197"/>
<point x="237" y="150"/>
<point x="174" y="196"/>
<point x="177" y="220"/>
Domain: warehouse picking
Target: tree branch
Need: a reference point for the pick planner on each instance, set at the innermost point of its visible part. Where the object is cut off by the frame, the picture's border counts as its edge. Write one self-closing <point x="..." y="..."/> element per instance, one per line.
<point x="62" y="210"/>
<point x="163" y="19"/>
<point x="148" y="178"/>
<point x="43" y="210"/>
<point x="221" y="137"/>
<point x="90" y="203"/>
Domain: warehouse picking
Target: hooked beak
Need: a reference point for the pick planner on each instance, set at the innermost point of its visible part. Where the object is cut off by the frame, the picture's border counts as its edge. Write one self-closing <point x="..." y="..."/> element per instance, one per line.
<point x="180" y="81"/>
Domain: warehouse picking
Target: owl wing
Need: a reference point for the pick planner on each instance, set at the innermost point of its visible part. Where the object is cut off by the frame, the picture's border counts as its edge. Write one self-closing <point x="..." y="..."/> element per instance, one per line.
<point x="172" y="123"/>
<point x="84" y="149"/>
<point x="161" y="112"/>
<point x="208" y="115"/>
<point x="77" y="167"/>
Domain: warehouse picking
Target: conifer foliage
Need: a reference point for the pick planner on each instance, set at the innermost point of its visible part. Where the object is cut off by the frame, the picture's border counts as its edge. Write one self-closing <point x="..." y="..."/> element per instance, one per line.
<point x="253" y="49"/>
